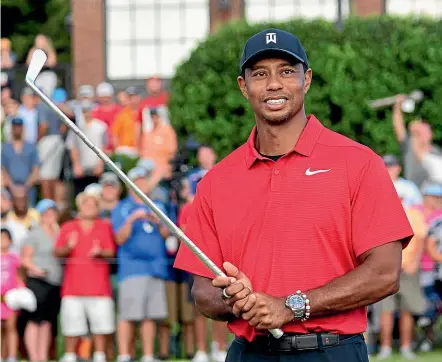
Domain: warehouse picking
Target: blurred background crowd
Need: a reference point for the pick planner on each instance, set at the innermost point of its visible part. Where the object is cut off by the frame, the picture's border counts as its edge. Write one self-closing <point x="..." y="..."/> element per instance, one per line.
<point x="94" y="255"/>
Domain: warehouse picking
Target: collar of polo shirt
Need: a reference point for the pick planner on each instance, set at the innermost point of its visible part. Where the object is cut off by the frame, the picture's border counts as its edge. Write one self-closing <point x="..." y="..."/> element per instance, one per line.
<point x="304" y="146"/>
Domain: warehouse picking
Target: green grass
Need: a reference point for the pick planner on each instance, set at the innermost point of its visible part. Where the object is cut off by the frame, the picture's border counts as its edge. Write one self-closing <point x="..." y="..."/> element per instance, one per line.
<point x="435" y="356"/>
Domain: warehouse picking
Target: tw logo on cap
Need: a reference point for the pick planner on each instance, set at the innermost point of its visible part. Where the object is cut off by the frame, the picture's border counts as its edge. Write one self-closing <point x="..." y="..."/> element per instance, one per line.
<point x="270" y="38"/>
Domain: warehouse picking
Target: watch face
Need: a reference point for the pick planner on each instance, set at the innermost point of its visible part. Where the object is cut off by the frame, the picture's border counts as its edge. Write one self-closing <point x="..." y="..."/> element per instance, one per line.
<point x="296" y="302"/>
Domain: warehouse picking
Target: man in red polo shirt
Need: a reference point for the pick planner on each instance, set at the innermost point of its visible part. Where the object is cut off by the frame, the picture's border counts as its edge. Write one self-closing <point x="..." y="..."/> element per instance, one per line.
<point x="305" y="222"/>
<point x="85" y="243"/>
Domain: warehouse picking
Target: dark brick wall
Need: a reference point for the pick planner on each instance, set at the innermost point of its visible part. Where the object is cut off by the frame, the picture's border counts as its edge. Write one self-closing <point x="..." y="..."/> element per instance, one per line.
<point x="88" y="48"/>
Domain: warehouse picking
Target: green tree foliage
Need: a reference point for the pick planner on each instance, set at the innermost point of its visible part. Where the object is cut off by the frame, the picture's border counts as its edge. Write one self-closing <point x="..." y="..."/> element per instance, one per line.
<point x="368" y="59"/>
<point x="22" y="20"/>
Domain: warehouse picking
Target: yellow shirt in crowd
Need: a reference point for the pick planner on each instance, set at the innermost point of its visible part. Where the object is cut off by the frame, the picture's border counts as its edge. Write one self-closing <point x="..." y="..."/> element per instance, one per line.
<point x="31" y="218"/>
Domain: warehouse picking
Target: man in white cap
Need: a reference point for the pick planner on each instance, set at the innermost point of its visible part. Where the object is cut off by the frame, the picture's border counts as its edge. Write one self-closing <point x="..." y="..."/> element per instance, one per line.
<point x="85" y="244"/>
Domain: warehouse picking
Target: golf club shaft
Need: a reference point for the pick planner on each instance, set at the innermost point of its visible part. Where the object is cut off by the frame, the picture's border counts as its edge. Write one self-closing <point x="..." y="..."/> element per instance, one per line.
<point x="174" y="229"/>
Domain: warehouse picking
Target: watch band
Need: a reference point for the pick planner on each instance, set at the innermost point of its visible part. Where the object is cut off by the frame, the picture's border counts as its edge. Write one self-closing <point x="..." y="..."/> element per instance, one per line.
<point x="307" y="306"/>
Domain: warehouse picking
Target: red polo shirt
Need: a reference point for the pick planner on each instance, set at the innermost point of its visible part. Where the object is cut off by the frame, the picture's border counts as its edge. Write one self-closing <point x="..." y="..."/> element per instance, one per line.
<point x="84" y="275"/>
<point x="289" y="227"/>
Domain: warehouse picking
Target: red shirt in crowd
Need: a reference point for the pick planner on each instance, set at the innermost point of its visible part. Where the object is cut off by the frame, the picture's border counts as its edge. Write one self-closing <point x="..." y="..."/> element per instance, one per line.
<point x="84" y="275"/>
<point x="297" y="223"/>
<point x="152" y="102"/>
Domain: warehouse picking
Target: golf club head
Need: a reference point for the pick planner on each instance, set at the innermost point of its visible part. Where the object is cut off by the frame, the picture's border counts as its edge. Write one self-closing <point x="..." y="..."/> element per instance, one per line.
<point x="38" y="60"/>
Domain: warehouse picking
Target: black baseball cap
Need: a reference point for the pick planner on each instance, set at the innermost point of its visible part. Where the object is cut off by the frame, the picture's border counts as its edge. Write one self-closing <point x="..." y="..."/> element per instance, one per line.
<point x="272" y="41"/>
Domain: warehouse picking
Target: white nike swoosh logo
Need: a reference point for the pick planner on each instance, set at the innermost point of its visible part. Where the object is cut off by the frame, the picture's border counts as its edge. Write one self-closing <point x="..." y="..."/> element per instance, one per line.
<point x="310" y="173"/>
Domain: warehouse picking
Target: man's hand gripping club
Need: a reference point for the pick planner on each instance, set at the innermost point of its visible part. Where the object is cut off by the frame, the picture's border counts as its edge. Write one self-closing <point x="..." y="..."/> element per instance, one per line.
<point x="259" y="309"/>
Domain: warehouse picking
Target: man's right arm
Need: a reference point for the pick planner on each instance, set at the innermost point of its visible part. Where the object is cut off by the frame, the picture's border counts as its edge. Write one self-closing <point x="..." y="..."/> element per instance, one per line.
<point x="209" y="300"/>
<point x="398" y="120"/>
<point x="208" y="294"/>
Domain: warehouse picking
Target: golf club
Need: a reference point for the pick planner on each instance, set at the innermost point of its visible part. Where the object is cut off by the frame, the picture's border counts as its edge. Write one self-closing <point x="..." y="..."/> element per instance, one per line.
<point x="38" y="60"/>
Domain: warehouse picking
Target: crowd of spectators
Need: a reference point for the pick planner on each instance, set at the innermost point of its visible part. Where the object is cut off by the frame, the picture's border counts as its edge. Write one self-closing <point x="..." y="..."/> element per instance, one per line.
<point x="417" y="305"/>
<point x="99" y="261"/>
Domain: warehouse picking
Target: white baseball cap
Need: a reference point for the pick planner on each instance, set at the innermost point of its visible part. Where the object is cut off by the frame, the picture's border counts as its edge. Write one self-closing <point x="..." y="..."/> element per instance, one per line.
<point x="105" y="90"/>
<point x="91" y="190"/>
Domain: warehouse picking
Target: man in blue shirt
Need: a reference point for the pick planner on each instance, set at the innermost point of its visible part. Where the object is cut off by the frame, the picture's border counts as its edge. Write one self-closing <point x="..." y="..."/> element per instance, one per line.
<point x="20" y="163"/>
<point x="142" y="268"/>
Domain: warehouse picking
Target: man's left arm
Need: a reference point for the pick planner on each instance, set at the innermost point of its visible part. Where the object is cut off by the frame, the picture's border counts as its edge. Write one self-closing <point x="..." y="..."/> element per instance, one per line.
<point x="374" y="279"/>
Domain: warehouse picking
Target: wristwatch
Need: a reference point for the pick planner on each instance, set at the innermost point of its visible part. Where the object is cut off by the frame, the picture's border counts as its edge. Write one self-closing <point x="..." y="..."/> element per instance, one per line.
<point x="299" y="305"/>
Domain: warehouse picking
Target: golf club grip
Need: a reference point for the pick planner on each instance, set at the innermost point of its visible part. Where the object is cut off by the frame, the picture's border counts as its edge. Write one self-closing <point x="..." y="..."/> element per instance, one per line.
<point x="174" y="229"/>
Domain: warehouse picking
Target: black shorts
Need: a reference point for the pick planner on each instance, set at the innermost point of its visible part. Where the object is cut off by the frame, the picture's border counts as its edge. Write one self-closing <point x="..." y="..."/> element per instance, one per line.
<point x="48" y="301"/>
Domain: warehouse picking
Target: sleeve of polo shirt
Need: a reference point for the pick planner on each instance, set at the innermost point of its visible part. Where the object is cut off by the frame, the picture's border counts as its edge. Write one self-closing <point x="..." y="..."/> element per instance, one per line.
<point x="378" y="216"/>
<point x="201" y="230"/>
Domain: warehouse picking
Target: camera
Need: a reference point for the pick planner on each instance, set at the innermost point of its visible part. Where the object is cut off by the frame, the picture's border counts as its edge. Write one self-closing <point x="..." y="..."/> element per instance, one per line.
<point x="181" y="167"/>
